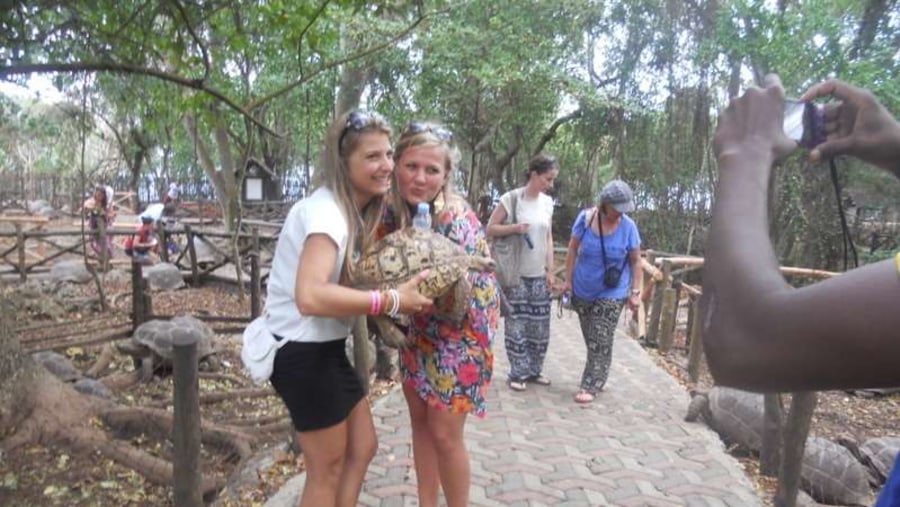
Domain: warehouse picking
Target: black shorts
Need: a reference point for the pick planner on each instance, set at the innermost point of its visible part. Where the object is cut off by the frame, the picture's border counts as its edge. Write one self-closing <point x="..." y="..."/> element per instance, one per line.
<point x="316" y="382"/>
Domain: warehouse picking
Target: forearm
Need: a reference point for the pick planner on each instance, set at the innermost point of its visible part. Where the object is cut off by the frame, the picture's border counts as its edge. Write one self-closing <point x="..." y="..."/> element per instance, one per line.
<point x="333" y="300"/>
<point x="571" y="252"/>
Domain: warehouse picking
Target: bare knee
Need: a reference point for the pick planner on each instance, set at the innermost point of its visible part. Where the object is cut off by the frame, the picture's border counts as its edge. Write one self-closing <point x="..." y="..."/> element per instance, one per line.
<point x="324" y="467"/>
<point x="446" y="440"/>
<point x="363" y="448"/>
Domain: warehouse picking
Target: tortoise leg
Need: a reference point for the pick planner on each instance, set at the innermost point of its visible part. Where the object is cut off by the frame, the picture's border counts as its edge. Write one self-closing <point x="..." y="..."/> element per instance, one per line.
<point x="146" y="370"/>
<point x="390" y="334"/>
<point x="461" y="291"/>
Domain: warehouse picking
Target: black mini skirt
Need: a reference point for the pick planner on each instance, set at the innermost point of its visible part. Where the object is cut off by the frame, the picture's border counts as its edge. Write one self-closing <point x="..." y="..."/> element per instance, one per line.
<point x="316" y="382"/>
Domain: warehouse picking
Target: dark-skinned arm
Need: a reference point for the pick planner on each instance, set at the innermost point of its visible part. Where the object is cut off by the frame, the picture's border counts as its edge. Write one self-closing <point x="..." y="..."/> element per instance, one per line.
<point x="759" y="333"/>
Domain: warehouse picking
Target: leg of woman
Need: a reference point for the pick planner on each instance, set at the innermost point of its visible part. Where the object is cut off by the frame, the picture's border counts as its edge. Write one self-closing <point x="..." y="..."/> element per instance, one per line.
<point x="604" y="315"/>
<point x="324" y="452"/>
<point x="586" y="317"/>
<point x="424" y="452"/>
<point x="361" y="447"/>
<point x="537" y="327"/>
<point x="452" y="456"/>
<point x="514" y="331"/>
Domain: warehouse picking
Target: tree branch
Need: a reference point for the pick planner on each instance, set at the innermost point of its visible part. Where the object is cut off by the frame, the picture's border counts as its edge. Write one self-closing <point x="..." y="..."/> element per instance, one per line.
<point x="190" y="29"/>
<point x="124" y="68"/>
<point x="355" y="56"/>
<point x="551" y="131"/>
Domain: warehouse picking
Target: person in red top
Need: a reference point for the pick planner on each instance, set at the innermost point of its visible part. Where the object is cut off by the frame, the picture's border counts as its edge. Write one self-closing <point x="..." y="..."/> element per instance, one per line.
<point x="143" y="242"/>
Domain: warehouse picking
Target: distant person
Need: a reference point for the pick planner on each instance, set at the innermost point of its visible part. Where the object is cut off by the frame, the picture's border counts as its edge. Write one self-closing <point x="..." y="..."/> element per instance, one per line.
<point x="139" y="245"/>
<point x="99" y="208"/>
<point x="760" y="334"/>
<point x="603" y="273"/>
<point x="310" y="306"/>
<point x="172" y="194"/>
<point x="527" y="324"/>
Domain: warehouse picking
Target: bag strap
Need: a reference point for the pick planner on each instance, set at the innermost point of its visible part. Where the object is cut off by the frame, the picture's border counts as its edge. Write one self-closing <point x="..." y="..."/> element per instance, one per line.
<point x="514" y="203"/>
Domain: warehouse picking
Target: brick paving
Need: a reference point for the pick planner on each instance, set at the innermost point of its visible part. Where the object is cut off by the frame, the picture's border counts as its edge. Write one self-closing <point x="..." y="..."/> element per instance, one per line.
<point x="629" y="448"/>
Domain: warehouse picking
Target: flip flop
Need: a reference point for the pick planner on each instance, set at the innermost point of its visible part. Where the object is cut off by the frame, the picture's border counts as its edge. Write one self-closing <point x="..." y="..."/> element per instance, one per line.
<point x="584" y="397"/>
<point x="540" y="380"/>
<point x="517" y="385"/>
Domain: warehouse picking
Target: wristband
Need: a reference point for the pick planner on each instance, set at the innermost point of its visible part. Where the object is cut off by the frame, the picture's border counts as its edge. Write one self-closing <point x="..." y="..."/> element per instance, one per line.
<point x="375" y="302"/>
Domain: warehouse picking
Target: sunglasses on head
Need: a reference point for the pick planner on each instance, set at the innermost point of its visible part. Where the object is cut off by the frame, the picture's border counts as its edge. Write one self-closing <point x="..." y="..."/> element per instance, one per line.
<point x="439" y="132"/>
<point x="356" y="121"/>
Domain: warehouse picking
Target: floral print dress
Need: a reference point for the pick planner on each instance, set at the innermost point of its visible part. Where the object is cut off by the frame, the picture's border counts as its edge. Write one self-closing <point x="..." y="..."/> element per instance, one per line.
<point x="450" y="365"/>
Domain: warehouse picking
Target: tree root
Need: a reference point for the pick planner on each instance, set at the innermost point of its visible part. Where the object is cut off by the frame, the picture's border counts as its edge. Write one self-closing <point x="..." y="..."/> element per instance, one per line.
<point x="159" y="422"/>
<point x="121" y="381"/>
<point x="207" y="399"/>
<point x="103" y="360"/>
<point x="234" y="379"/>
<point x="257" y="421"/>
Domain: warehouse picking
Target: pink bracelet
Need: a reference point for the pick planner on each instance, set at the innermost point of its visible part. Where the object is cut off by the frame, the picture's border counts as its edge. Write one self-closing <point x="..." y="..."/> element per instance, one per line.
<point x="375" y="302"/>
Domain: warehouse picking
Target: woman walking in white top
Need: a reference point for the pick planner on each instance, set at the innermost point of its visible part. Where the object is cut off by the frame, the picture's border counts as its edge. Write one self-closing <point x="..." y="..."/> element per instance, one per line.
<point x="527" y="323"/>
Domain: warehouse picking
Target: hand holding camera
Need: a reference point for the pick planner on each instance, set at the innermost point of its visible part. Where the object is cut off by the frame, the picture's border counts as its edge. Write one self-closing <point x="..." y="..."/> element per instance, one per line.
<point x="858" y="125"/>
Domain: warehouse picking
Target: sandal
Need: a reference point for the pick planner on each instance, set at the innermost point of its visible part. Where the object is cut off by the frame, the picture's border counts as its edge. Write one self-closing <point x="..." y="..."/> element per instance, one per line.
<point x="517" y="385"/>
<point x="540" y="380"/>
<point x="584" y="397"/>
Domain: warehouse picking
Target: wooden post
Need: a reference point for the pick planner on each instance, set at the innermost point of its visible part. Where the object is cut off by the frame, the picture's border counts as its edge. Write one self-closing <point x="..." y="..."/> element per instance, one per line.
<point x="802" y="407"/>
<point x="656" y="309"/>
<point x="255" y="302"/>
<point x="104" y="245"/>
<point x="695" y="356"/>
<point x="770" y="451"/>
<point x="20" y="245"/>
<point x="186" y="428"/>
<point x="163" y="244"/>
<point x="192" y="255"/>
<point x="138" y="311"/>
<point x="667" y="318"/>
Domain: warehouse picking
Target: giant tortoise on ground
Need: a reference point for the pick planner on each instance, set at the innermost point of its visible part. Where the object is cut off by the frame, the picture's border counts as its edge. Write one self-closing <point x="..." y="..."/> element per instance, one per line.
<point x="151" y="346"/>
<point x="829" y="472"/>
<point x="403" y="254"/>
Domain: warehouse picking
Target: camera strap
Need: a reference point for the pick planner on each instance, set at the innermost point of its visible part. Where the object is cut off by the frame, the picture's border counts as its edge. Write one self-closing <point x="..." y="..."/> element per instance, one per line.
<point x="603" y="247"/>
<point x="845" y="230"/>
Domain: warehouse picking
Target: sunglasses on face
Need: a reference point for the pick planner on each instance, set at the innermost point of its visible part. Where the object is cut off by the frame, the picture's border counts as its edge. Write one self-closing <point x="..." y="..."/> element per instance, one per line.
<point x="439" y="132"/>
<point x="356" y="121"/>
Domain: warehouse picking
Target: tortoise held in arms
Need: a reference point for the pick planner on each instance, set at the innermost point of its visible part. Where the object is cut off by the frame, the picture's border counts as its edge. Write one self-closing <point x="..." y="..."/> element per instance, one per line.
<point x="405" y="253"/>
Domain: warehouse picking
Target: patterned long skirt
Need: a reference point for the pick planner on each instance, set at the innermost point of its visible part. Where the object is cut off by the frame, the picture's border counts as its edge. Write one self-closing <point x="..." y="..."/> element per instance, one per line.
<point x="527" y="327"/>
<point x="598" y="321"/>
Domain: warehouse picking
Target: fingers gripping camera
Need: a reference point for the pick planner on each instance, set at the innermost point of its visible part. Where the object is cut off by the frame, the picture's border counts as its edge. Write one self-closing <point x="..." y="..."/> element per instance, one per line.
<point x="804" y="122"/>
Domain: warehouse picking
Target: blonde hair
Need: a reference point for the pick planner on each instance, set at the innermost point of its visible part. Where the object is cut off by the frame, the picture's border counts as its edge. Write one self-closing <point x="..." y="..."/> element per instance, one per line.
<point x="426" y="134"/>
<point x="342" y="140"/>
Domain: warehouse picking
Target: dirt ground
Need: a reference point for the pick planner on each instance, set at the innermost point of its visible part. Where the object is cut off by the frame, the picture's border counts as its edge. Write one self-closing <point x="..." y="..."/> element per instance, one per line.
<point x="41" y="476"/>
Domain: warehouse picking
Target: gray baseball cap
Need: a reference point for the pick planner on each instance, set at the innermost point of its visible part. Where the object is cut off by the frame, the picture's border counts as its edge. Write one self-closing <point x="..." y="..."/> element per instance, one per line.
<point x="618" y="194"/>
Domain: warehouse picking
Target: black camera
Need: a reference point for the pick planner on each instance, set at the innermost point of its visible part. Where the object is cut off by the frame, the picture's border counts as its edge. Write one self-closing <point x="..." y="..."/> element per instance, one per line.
<point x="804" y="122"/>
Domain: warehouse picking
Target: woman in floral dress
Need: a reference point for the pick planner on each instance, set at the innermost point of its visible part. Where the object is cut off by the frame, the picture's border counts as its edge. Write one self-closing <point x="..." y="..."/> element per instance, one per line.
<point x="446" y="366"/>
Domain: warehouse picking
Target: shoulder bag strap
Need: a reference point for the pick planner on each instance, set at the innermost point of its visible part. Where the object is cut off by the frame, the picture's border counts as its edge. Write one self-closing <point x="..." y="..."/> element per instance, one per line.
<point x="514" y="203"/>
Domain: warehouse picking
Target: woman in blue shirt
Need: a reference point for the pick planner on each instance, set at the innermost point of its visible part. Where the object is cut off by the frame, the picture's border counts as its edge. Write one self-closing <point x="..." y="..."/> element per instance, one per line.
<point x="604" y="253"/>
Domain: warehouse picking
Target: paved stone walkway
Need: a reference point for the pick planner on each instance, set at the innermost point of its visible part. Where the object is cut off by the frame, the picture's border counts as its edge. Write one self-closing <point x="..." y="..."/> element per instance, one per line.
<point x="630" y="447"/>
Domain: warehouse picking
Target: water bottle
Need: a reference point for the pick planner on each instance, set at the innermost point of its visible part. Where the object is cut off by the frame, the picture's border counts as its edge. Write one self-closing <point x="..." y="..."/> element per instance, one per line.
<point x="422" y="220"/>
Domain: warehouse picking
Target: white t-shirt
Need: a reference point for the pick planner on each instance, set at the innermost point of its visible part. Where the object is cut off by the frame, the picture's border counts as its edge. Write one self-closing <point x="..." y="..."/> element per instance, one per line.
<point x="538" y="214"/>
<point x="317" y="214"/>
